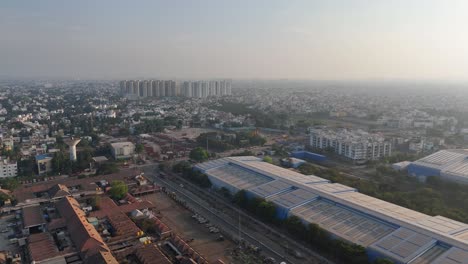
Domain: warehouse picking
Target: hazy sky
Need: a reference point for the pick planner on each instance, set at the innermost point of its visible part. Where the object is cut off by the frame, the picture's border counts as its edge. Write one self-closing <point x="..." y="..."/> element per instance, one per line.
<point x="310" y="39"/>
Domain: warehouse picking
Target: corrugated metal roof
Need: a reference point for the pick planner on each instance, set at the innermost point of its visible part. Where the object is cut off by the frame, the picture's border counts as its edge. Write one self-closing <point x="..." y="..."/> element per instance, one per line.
<point x="453" y="256"/>
<point x="349" y="214"/>
<point x="404" y="245"/>
<point x="343" y="222"/>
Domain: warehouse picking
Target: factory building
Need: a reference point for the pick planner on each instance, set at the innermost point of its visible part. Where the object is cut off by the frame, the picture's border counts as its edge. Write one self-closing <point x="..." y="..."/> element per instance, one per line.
<point x="450" y="164"/>
<point x="386" y="230"/>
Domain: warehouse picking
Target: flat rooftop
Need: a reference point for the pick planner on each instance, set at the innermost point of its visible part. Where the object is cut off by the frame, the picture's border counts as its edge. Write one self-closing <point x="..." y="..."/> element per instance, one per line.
<point x="344" y="211"/>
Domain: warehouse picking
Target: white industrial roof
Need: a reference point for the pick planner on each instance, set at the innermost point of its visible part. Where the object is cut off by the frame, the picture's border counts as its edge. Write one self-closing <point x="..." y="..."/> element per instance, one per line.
<point x="293" y="198"/>
<point x="383" y="207"/>
<point x="237" y="177"/>
<point x="453" y="256"/>
<point x="443" y="225"/>
<point x="443" y="158"/>
<point x="404" y="244"/>
<point x="343" y="222"/>
<point x="338" y="208"/>
<point x="452" y="163"/>
<point x="271" y="188"/>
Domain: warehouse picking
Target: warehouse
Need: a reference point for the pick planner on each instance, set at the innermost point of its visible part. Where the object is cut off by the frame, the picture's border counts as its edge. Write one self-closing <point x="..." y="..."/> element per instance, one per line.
<point x="450" y="164"/>
<point x="384" y="229"/>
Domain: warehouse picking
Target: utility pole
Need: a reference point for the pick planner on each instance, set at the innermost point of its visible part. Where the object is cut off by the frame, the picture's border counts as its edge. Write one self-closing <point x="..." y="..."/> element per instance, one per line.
<point x="240" y="238"/>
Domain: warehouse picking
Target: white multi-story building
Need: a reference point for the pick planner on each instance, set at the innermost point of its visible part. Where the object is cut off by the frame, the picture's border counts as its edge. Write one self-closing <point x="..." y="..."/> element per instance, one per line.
<point x="8" y="168"/>
<point x="137" y="89"/>
<point x="122" y="150"/>
<point x="356" y="145"/>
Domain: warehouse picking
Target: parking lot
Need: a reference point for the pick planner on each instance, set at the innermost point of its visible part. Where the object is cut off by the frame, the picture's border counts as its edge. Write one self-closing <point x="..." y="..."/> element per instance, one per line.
<point x="5" y="243"/>
<point x="191" y="230"/>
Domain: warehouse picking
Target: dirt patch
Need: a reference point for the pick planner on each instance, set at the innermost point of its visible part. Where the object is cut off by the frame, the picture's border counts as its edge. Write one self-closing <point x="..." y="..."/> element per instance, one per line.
<point x="180" y="220"/>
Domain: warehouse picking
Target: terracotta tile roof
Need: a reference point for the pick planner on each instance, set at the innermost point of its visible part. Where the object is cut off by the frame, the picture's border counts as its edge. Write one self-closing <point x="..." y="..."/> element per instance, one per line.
<point x="26" y="192"/>
<point x="85" y="237"/>
<point x="109" y="207"/>
<point x="183" y="247"/>
<point x="101" y="257"/>
<point x="123" y="225"/>
<point x="163" y="229"/>
<point x="32" y="216"/>
<point x="41" y="246"/>
<point x="58" y="191"/>
<point x="150" y="254"/>
<point x="56" y="224"/>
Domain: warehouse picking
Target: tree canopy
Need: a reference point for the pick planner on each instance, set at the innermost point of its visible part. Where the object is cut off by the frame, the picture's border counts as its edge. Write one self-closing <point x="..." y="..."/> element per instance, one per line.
<point x="118" y="190"/>
<point x="198" y="154"/>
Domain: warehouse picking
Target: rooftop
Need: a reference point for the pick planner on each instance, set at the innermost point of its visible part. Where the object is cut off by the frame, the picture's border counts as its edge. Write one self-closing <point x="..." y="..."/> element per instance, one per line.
<point x="121" y="144"/>
<point x="32" y="216"/>
<point x="85" y="237"/>
<point x="44" y="156"/>
<point x="41" y="246"/>
<point x="343" y="211"/>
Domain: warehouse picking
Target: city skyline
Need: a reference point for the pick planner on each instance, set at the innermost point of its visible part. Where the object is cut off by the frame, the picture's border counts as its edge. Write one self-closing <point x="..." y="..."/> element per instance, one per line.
<point x="312" y="40"/>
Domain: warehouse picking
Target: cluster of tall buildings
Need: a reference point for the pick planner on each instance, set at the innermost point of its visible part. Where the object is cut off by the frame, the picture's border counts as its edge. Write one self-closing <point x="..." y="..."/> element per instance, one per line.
<point x="356" y="145"/>
<point x="203" y="89"/>
<point x="137" y="89"/>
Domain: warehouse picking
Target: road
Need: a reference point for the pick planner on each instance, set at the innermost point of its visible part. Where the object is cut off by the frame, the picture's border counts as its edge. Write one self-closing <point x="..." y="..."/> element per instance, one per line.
<point x="236" y="222"/>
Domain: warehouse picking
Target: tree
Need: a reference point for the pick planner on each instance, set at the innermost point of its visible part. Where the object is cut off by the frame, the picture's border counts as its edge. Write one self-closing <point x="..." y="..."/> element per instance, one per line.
<point x="107" y="168"/>
<point x="268" y="159"/>
<point x="139" y="148"/>
<point x="240" y="198"/>
<point x="118" y="190"/>
<point x="198" y="154"/>
<point x="295" y="226"/>
<point x="9" y="183"/>
<point x="181" y="167"/>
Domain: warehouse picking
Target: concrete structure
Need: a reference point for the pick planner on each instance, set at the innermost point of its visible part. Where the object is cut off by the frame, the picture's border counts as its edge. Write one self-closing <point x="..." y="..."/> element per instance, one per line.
<point x="135" y="90"/>
<point x="204" y="89"/>
<point x="44" y="163"/>
<point x="8" y="168"/>
<point x="384" y="229"/>
<point x="450" y="164"/>
<point x="356" y="145"/>
<point x="140" y="89"/>
<point x="122" y="150"/>
<point x="72" y="142"/>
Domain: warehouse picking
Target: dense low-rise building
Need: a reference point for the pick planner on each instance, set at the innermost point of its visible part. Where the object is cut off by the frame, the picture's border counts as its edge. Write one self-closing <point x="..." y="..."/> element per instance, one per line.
<point x="384" y="229"/>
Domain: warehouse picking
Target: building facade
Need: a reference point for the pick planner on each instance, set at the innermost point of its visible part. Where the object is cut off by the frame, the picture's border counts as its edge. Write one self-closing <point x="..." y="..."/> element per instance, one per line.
<point x="44" y="163"/>
<point x="140" y="89"/>
<point x="122" y="150"/>
<point x="8" y="168"/>
<point x="356" y="145"/>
